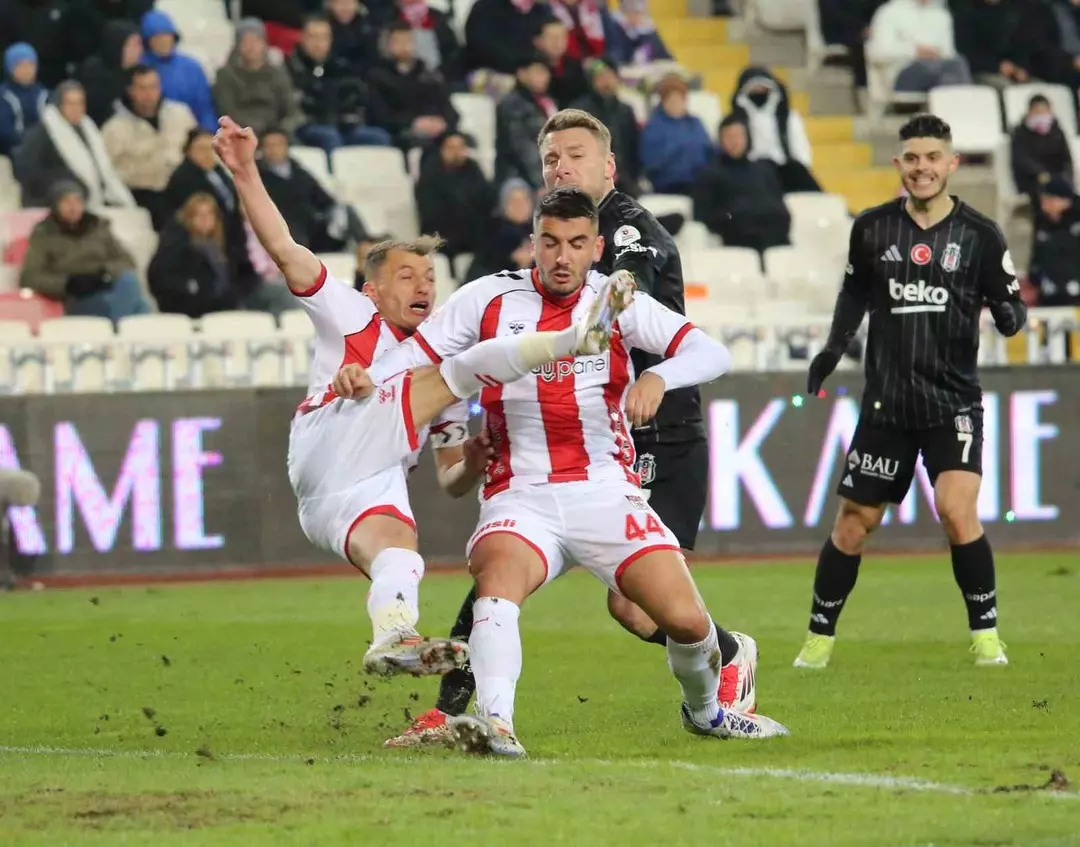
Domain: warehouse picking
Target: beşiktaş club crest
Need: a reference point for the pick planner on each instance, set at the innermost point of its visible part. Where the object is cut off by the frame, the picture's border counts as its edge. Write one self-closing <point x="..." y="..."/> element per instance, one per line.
<point x="646" y="467"/>
<point x="950" y="257"/>
<point x="963" y="423"/>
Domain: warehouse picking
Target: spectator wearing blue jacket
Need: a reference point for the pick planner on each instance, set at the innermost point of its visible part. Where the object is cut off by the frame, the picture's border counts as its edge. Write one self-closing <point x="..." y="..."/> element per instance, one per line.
<point x="22" y="97"/>
<point x="182" y="77"/>
<point x="674" y="143"/>
<point x="631" y="36"/>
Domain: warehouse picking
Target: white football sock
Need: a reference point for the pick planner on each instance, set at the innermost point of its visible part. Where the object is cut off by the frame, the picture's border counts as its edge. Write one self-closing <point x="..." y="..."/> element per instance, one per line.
<point x="697" y="668"/>
<point x="495" y="656"/>
<point x="393" y="602"/>
<point x="501" y="360"/>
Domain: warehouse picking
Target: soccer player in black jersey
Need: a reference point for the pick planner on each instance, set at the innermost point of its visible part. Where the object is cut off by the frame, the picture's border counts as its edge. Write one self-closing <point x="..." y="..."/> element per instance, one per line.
<point x="672" y="449"/>
<point x="923" y="267"/>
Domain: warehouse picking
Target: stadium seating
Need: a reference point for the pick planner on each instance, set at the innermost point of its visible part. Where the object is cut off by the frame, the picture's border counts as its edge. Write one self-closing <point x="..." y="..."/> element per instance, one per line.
<point x="13" y="378"/>
<point x="80" y="355"/>
<point x="157" y="357"/>
<point x="731" y="274"/>
<point x="974" y="113"/>
<point x="9" y="279"/>
<point x="799" y="276"/>
<point x="374" y="180"/>
<point x="298" y="333"/>
<point x="341" y="266"/>
<point x="706" y="106"/>
<point x="1016" y="98"/>
<point x="238" y="348"/>
<point x="313" y="160"/>
<point x="668" y="204"/>
<point x="477" y="114"/>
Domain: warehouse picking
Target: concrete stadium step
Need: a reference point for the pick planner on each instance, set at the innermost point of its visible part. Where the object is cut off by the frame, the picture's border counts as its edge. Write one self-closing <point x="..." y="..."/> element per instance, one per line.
<point x="854" y="154"/>
<point x="707" y="58"/>
<point x="829" y="129"/>
<point x="863" y="187"/>
<point x="684" y="32"/>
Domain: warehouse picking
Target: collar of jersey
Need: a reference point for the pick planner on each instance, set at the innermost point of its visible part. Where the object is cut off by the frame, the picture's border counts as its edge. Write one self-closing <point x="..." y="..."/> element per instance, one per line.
<point x="398" y="333"/>
<point x="561" y="302"/>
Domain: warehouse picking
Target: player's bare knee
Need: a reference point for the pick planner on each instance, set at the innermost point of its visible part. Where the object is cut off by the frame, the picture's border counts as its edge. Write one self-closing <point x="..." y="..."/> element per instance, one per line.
<point x="960" y="520"/>
<point x="630" y="616"/>
<point x="374" y="534"/>
<point x="854" y="522"/>
<point x="688" y="625"/>
<point x="502" y="565"/>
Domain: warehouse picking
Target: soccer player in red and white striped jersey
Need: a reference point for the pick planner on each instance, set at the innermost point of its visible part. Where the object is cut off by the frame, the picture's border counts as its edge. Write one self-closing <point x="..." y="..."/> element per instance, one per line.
<point x="561" y="484"/>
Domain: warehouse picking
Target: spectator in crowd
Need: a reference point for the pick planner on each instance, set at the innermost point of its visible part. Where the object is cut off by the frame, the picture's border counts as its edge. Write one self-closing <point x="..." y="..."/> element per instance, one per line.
<point x="338" y="106"/>
<point x="986" y="36"/>
<point x="602" y="102"/>
<point x="584" y="22"/>
<point x="145" y="140"/>
<point x="777" y="132"/>
<point x="47" y="26"/>
<point x="674" y="143"/>
<point x="89" y="20"/>
<point x="354" y="35"/>
<point x="183" y="79"/>
<point x="283" y="19"/>
<point x="104" y="74"/>
<point x="452" y="194"/>
<point x="919" y="35"/>
<point x="846" y="23"/>
<point x="631" y="36"/>
<point x="363" y="247"/>
<point x="250" y="90"/>
<point x="741" y="199"/>
<point x="22" y="97"/>
<point x="1055" y="253"/>
<point x="568" y="81"/>
<point x="316" y="219"/>
<point x="73" y="257"/>
<point x="437" y="44"/>
<point x="1056" y="54"/>
<point x="519" y="117"/>
<point x="507" y="245"/>
<point x="1040" y="150"/>
<point x="499" y="34"/>
<point x="193" y="272"/>
<point x="67" y="146"/>
<point x="415" y="99"/>
<point x="200" y="173"/>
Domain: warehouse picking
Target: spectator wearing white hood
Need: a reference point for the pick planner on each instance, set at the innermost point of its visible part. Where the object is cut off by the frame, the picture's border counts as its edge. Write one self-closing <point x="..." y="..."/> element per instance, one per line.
<point x="777" y="133"/>
<point x="919" y="35"/>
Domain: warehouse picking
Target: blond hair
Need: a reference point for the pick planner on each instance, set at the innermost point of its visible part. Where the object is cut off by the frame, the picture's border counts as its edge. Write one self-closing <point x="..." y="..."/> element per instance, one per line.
<point x="425" y="245"/>
<point x="576" y="119"/>
<point x="187" y="213"/>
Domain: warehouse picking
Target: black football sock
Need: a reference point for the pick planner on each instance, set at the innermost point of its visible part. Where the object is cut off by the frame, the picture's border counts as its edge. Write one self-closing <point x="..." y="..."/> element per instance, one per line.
<point x="973" y="568"/>
<point x="456" y="688"/>
<point x="728" y="645"/>
<point x="833" y="580"/>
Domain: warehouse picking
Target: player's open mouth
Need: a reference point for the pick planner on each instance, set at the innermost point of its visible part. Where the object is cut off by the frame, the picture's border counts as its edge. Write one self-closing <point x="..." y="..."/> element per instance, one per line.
<point x="419" y="307"/>
<point x="563" y="276"/>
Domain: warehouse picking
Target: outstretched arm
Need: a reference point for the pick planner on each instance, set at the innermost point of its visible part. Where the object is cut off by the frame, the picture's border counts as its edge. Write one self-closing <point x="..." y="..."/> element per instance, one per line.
<point x="235" y="146"/>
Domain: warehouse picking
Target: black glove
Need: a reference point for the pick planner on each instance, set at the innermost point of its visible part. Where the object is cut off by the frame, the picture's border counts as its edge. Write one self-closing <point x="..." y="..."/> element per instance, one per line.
<point x="1009" y="316"/>
<point x="83" y="285"/>
<point x="824" y="364"/>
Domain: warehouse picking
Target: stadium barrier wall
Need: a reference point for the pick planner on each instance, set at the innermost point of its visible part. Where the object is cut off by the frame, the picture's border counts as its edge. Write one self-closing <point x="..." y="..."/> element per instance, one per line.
<point x="148" y="482"/>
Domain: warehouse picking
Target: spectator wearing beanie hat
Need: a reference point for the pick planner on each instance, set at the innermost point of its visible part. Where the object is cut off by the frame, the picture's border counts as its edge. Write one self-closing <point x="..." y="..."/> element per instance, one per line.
<point x="250" y="90"/>
<point x="22" y="97"/>
<point x="182" y="77"/>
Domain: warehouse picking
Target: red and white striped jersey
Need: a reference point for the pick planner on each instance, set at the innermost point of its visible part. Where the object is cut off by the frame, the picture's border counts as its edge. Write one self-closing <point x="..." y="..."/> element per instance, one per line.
<point x="565" y="422"/>
<point x="350" y="330"/>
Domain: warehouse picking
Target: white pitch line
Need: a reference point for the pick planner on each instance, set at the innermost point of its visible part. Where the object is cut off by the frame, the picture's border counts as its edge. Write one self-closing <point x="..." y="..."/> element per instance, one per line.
<point x="855" y="780"/>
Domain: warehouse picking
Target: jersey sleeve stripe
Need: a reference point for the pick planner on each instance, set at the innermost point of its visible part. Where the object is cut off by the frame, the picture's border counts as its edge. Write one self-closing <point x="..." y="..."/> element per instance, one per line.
<point x="317" y="287"/>
<point x="406" y="412"/>
<point x="427" y="348"/>
<point x="677" y="340"/>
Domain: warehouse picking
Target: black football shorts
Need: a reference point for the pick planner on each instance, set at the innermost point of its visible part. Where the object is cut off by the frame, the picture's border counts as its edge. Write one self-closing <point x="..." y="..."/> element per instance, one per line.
<point x="677" y="478"/>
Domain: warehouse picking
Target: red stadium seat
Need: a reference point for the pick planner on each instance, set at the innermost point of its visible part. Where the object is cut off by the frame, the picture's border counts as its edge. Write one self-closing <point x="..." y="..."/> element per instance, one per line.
<point x="29" y="307"/>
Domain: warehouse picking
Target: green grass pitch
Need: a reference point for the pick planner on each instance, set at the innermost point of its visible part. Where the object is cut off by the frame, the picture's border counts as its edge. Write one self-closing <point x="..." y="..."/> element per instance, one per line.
<point x="235" y="714"/>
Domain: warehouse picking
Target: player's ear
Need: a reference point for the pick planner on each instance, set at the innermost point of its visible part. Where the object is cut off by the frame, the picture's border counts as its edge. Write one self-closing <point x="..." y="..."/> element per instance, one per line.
<point x="598" y="248"/>
<point x="369" y="290"/>
<point x="610" y="166"/>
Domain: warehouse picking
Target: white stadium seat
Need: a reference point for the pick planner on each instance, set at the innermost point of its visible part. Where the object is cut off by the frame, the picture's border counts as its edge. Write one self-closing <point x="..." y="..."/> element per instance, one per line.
<point x="445" y="284"/>
<point x="813" y="211"/>
<point x="154" y="356"/>
<point x="477" y="113"/>
<point x="341" y="266"/>
<point x="732" y="274"/>
<point x="299" y="333"/>
<point x="636" y="100"/>
<point x="694" y="235"/>
<point x="17" y="375"/>
<point x="668" y="204"/>
<point x="706" y="107"/>
<point x="313" y="160"/>
<point x="9" y="278"/>
<point x="798" y="275"/>
<point x="973" y="112"/>
<point x="133" y="229"/>
<point x="1016" y="98"/>
<point x="374" y="178"/>
<point x="81" y="355"/>
<point x="239" y="348"/>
